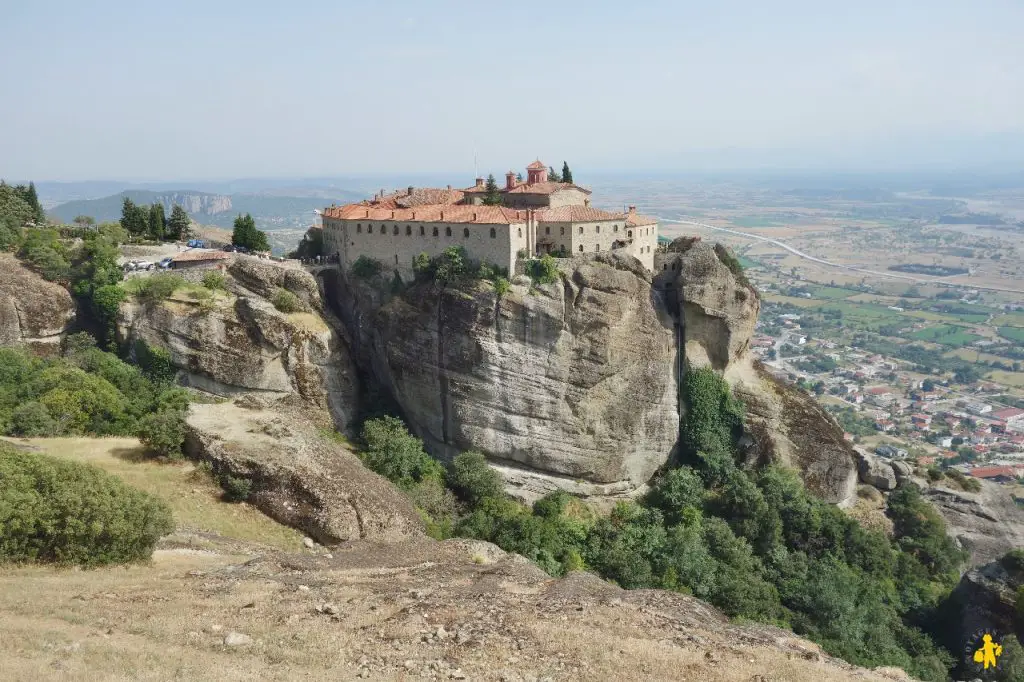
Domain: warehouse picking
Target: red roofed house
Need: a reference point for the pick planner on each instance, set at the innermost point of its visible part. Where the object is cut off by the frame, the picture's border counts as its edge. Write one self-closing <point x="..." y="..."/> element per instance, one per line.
<point x="1014" y="418"/>
<point x="197" y="259"/>
<point x="535" y="217"/>
<point x="1000" y="474"/>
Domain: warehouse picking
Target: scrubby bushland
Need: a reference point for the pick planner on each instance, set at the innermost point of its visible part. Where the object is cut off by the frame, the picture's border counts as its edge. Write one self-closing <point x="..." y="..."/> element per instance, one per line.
<point x="87" y="391"/>
<point x="453" y="266"/>
<point x="63" y="512"/>
<point x="753" y="542"/>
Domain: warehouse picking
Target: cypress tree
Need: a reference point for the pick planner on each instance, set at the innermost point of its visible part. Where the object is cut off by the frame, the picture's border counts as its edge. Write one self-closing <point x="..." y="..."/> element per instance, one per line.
<point x="157" y="221"/>
<point x="566" y="173"/>
<point x="246" y="235"/>
<point x="33" y="200"/>
<point x="134" y="219"/>
<point x="492" y="197"/>
<point x="180" y="225"/>
<point x="553" y="176"/>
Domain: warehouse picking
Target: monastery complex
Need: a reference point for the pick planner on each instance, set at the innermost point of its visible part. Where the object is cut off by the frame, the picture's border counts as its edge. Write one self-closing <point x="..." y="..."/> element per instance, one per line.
<point x="536" y="217"/>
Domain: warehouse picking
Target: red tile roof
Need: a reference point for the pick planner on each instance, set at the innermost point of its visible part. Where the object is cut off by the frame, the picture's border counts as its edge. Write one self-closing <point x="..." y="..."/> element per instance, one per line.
<point x="1008" y="413"/>
<point x="576" y="214"/>
<point x="637" y="220"/>
<point x="536" y="165"/>
<point x="535" y="188"/>
<point x="992" y="472"/>
<point x="437" y="213"/>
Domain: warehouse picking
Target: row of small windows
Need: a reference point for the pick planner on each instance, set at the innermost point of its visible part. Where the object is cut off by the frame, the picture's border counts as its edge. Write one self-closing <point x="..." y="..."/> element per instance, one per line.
<point x="423" y="231"/>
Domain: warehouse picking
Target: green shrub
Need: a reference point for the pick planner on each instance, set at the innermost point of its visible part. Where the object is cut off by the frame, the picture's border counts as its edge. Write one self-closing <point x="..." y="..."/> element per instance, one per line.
<point x="501" y="286"/>
<point x="422" y="267"/>
<point x="31" y="420"/>
<point x="163" y="432"/>
<point x="64" y="512"/>
<point x="543" y="270"/>
<point x="934" y="474"/>
<point x="42" y="250"/>
<point x="473" y="479"/>
<point x="158" y="287"/>
<point x="155" y="362"/>
<point x="366" y="267"/>
<point x="452" y="266"/>
<point x="236" y="488"/>
<point x="397" y="455"/>
<point x="214" y="280"/>
<point x="286" y="301"/>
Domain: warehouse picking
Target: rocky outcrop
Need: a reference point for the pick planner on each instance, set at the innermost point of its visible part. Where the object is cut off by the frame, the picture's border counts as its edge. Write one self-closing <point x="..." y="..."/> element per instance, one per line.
<point x="299" y="477"/>
<point x="240" y="343"/>
<point x="986" y="599"/>
<point x="875" y="471"/>
<point x="571" y="384"/>
<point x="987" y="523"/>
<point x="33" y="312"/>
<point x="718" y="310"/>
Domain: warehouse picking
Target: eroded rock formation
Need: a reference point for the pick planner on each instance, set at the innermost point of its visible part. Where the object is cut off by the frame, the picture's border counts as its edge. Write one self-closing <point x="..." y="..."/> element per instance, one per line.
<point x="240" y="343"/>
<point x="33" y="312"/>
<point x="571" y="384"/>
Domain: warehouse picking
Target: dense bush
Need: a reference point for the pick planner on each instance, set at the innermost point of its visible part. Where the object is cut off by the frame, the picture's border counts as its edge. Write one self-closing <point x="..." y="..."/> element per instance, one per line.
<point x="64" y="512"/>
<point x="286" y="301"/>
<point x="542" y="270"/>
<point x="453" y="266"/>
<point x="236" y="488"/>
<point x="44" y="252"/>
<point x="158" y="287"/>
<point x="396" y="454"/>
<point x="163" y="432"/>
<point x="472" y="479"/>
<point x="214" y="280"/>
<point x="366" y="267"/>
<point x="87" y="391"/>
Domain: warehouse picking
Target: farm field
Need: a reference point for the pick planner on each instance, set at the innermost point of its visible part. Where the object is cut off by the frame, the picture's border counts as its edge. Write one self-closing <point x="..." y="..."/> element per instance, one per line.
<point x="946" y="334"/>
<point x="1012" y="333"/>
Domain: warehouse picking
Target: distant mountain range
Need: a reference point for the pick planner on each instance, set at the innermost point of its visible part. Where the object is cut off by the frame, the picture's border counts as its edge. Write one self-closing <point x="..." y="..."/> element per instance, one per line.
<point x="270" y="211"/>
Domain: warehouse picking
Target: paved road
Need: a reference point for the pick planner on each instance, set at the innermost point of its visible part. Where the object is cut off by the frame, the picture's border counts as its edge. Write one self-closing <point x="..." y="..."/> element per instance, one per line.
<point x="877" y="273"/>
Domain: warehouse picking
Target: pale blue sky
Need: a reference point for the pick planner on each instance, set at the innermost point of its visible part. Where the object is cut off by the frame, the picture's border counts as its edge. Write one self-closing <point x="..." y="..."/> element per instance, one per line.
<point x="164" y="90"/>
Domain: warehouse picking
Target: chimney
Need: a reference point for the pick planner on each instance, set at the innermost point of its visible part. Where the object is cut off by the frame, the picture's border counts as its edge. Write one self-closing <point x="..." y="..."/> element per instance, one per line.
<point x="392" y="214"/>
<point x="442" y="215"/>
<point x="410" y="190"/>
<point x="632" y="210"/>
<point x="510" y="180"/>
<point x="479" y="182"/>
<point x="474" y="216"/>
<point x="586" y="202"/>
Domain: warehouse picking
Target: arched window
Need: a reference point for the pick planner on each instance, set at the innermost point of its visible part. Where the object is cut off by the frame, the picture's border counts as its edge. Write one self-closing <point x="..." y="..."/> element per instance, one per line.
<point x="494" y="233"/>
<point x="422" y="231"/>
<point x="665" y="266"/>
<point x="615" y="228"/>
<point x="396" y="259"/>
<point x="563" y="231"/>
<point x="359" y="228"/>
<point x="581" y="247"/>
<point x="435" y="231"/>
<point x="597" y="228"/>
<point x="520" y="232"/>
<point x="629" y="233"/>
<point x="384" y="230"/>
<point x="448" y="231"/>
<point x="369" y="228"/>
<point x="597" y="247"/>
<point x="581" y="229"/>
<point x="547" y="230"/>
<point x="465" y="232"/>
<point x="395" y="229"/>
<point x="408" y="230"/>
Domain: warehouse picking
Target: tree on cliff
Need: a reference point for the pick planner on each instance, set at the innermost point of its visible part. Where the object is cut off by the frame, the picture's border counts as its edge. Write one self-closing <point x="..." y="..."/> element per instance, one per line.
<point x="566" y="173"/>
<point x="134" y="219"/>
<point x="157" y="221"/>
<point x="180" y="225"/>
<point x="246" y="235"/>
<point x="492" y="197"/>
<point x="553" y="175"/>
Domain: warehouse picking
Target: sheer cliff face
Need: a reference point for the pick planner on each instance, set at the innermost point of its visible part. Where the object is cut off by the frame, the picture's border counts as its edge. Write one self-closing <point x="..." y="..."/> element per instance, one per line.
<point x="33" y="312"/>
<point x="569" y="385"/>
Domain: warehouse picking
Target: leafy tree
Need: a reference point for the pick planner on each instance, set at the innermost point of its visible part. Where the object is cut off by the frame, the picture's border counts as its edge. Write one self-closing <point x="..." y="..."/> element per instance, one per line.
<point x="566" y="173"/>
<point x="492" y="196"/>
<point x="157" y="221"/>
<point x="32" y="199"/>
<point x="13" y="206"/>
<point x="396" y="454"/>
<point x="543" y="270"/>
<point x="553" y="175"/>
<point x="214" y="281"/>
<point x="64" y="512"/>
<point x="473" y="479"/>
<point x="43" y="251"/>
<point x="246" y="235"/>
<point x="311" y="246"/>
<point x="84" y="220"/>
<point x="451" y="266"/>
<point x="367" y="267"/>
<point x="163" y="432"/>
<point x="179" y="226"/>
<point x="32" y="419"/>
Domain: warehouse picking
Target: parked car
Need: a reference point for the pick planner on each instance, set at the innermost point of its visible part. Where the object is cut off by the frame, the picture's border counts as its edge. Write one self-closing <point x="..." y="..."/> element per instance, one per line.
<point x="196" y="244"/>
<point x="229" y="248"/>
<point x="166" y="263"/>
<point x="143" y="265"/>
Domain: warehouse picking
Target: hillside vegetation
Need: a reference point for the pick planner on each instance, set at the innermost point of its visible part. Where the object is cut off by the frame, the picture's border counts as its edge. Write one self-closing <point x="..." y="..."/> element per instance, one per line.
<point x="752" y="542"/>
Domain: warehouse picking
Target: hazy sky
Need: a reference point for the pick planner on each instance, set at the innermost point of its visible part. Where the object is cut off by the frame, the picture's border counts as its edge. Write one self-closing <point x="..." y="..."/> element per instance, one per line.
<point x="140" y="90"/>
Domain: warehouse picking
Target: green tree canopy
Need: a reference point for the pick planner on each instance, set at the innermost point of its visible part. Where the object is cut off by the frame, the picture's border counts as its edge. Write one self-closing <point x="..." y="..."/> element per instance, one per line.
<point x="134" y="219"/>
<point x="553" y="175"/>
<point x="246" y="235"/>
<point x="157" y="221"/>
<point x="566" y="173"/>
<point x="179" y="227"/>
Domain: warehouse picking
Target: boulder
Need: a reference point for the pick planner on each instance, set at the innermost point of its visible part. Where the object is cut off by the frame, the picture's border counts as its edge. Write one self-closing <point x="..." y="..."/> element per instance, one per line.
<point x="875" y="471"/>
<point x="987" y="523"/>
<point x="298" y="476"/>
<point x="33" y="312"/>
<point x="986" y="599"/>
<point x="903" y="471"/>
